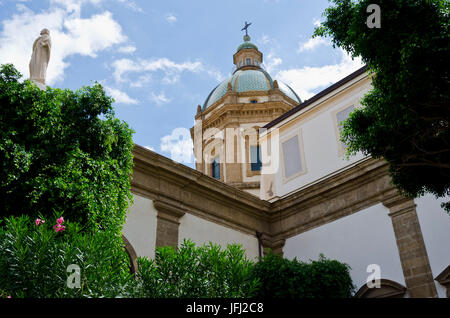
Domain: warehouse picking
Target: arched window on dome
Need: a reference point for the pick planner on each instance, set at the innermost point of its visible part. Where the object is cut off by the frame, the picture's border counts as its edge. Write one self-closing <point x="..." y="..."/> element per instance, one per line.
<point x="256" y="62"/>
<point x="240" y="63"/>
<point x="248" y="61"/>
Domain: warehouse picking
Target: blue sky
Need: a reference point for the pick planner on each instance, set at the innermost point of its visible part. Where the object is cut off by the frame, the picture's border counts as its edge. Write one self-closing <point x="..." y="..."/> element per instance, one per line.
<point x="160" y="59"/>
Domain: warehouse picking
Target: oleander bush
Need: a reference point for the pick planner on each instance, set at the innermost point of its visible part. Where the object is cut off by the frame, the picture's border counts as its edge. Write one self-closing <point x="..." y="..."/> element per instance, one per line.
<point x="195" y="272"/>
<point x="34" y="260"/>
<point x="284" y="278"/>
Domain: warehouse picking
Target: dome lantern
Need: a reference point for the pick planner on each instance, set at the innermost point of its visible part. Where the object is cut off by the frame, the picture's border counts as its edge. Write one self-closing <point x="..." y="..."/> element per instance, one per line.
<point x="247" y="54"/>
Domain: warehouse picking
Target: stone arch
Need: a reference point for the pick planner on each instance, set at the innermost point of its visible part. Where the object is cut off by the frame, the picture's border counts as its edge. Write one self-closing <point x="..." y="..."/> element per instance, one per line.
<point x="131" y="254"/>
<point x="388" y="289"/>
<point x="444" y="279"/>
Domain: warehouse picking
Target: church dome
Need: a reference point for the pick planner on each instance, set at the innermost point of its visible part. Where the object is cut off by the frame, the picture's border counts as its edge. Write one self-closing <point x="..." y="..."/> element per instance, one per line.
<point x="246" y="45"/>
<point x="247" y="80"/>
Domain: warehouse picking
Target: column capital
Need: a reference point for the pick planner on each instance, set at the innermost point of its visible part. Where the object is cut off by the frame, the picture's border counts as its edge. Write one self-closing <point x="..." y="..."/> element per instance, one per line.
<point x="168" y="211"/>
<point x="398" y="204"/>
<point x="276" y="244"/>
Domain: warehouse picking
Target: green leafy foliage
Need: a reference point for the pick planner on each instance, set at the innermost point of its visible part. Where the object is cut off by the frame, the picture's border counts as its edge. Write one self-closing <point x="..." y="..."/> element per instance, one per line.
<point x="405" y="118"/>
<point x="34" y="260"/>
<point x="283" y="278"/>
<point x="63" y="151"/>
<point x="196" y="272"/>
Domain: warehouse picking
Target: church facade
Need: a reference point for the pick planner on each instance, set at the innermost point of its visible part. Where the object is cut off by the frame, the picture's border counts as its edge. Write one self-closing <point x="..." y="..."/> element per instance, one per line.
<point x="271" y="173"/>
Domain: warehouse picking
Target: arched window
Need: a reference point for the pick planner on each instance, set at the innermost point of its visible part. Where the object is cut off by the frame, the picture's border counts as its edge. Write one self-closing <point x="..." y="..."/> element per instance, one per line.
<point x="131" y="254"/>
<point x="216" y="168"/>
<point x="255" y="157"/>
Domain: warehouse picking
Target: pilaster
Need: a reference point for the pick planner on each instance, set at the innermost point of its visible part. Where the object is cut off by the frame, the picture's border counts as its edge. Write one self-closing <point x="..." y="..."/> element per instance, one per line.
<point x="168" y="222"/>
<point x="411" y="247"/>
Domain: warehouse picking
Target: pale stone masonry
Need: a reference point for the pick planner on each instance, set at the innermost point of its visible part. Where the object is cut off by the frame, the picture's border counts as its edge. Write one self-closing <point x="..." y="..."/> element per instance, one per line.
<point x="411" y="247"/>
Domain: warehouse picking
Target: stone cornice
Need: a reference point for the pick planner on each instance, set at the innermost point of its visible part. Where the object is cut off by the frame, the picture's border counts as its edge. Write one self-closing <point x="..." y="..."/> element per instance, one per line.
<point x="271" y="93"/>
<point x="352" y="190"/>
<point x="245" y="112"/>
<point x="171" y="184"/>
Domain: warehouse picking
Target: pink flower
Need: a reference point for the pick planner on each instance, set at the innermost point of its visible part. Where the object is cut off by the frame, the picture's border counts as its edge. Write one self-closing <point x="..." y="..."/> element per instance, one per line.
<point x="38" y="221"/>
<point x="9" y="297"/>
<point x="58" y="227"/>
<point x="60" y="220"/>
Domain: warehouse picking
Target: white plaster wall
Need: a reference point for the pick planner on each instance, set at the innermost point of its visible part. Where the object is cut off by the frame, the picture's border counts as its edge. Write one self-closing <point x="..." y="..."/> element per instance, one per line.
<point x="140" y="226"/>
<point x="320" y="140"/>
<point x="320" y="149"/>
<point x="201" y="232"/>
<point x="363" y="238"/>
<point x="435" y="226"/>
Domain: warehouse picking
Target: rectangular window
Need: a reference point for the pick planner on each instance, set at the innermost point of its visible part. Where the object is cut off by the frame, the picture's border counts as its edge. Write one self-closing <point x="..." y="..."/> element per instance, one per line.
<point x="255" y="157"/>
<point x="340" y="117"/>
<point x="248" y="61"/>
<point x="291" y="157"/>
<point x="216" y="168"/>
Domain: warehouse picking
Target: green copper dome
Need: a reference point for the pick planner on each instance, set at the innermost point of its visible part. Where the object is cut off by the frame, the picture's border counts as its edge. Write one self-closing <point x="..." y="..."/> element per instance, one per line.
<point x="246" y="45"/>
<point x="246" y="81"/>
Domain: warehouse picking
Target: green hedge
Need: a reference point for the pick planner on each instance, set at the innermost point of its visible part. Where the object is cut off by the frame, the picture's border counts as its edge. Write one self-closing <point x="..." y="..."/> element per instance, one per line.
<point x="283" y="278"/>
<point x="193" y="272"/>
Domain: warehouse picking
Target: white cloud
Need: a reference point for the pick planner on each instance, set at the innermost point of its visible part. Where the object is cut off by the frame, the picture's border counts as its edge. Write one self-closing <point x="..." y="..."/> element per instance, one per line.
<point x="70" y="35"/>
<point x="179" y="145"/>
<point x="316" y="22"/>
<point x="159" y="99"/>
<point x="265" y="39"/>
<point x="171" y="18"/>
<point x="313" y="43"/>
<point x="119" y="96"/>
<point x="171" y="69"/>
<point x="141" y="81"/>
<point x="307" y="80"/>
<point x="127" y="49"/>
<point x="132" y="5"/>
<point x="272" y="62"/>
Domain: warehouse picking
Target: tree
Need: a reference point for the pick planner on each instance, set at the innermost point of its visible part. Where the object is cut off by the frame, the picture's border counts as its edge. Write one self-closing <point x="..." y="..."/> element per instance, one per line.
<point x="405" y="118"/>
<point x="63" y="152"/>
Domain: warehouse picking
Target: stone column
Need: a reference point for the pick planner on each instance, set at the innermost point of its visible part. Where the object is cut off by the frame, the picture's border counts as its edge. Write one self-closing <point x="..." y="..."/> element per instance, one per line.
<point x="167" y="224"/>
<point x="411" y="247"/>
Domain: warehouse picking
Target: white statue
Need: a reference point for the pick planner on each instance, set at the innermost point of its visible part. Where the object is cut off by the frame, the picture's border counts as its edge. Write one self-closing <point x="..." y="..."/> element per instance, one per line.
<point x="40" y="57"/>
